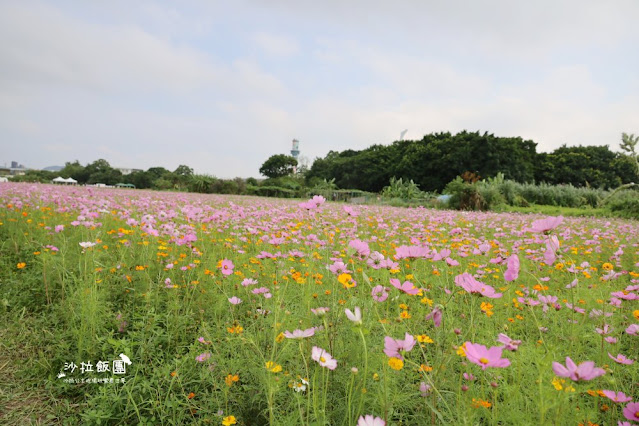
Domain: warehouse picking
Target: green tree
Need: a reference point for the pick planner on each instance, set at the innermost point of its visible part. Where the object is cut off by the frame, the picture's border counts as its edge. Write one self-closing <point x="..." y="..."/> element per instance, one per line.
<point x="100" y="171"/>
<point x="74" y="170"/>
<point x="278" y="165"/>
<point x="629" y="145"/>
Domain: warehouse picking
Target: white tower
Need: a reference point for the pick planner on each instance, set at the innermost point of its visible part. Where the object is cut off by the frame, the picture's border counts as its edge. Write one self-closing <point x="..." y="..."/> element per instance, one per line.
<point x="295" y="152"/>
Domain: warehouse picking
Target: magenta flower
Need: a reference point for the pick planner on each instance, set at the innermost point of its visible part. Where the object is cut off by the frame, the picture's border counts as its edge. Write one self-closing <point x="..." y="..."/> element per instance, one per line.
<point x="633" y="329"/>
<point x="631" y="411"/>
<point x="509" y="344"/>
<point x="621" y="359"/>
<point x="471" y="285"/>
<point x="407" y="287"/>
<point x="338" y="268"/>
<point x="300" y="334"/>
<point x="512" y="272"/>
<point x="360" y="247"/>
<point x="59" y="228"/>
<point x="410" y="252"/>
<point x="484" y="357"/>
<point x="203" y="357"/>
<point x="436" y="316"/>
<point x="393" y="346"/>
<point x="380" y="293"/>
<point x="584" y="371"/>
<point x="227" y="267"/>
<point x="616" y="396"/>
<point x="248" y="281"/>
<point x="369" y="420"/>
<point x="235" y="300"/>
<point x="323" y="358"/>
<point x="424" y="389"/>
<point x="545" y="225"/>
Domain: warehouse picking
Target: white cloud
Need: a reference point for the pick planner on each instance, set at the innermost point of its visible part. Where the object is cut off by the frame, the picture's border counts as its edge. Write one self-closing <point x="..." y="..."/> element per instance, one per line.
<point x="277" y="45"/>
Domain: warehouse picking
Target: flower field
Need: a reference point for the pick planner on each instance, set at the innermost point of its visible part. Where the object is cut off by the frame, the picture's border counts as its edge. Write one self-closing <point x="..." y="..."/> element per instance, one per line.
<point x="181" y="308"/>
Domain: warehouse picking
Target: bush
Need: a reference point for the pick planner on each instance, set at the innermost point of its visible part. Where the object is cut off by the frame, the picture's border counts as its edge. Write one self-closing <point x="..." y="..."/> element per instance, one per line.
<point x="624" y="204"/>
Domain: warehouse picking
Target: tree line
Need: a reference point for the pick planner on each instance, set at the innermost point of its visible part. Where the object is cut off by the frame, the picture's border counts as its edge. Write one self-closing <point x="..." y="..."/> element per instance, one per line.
<point x="438" y="158"/>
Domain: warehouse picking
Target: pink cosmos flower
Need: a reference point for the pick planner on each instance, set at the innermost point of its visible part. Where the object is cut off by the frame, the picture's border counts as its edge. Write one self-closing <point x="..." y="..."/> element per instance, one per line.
<point x="248" y="281"/>
<point x="323" y="358"/>
<point x="393" y="346"/>
<point x="585" y="371"/>
<point x="203" y="357"/>
<point x="369" y="420"/>
<point x="436" y="316"/>
<point x="227" y="267"/>
<point x="573" y="283"/>
<point x="410" y="252"/>
<point x="360" y="247"/>
<point x="379" y="293"/>
<point x="375" y="260"/>
<point x="621" y="359"/>
<point x="484" y="357"/>
<point x="338" y="268"/>
<point x="300" y="334"/>
<point x="59" y="228"/>
<point x="631" y="411"/>
<point x="545" y="225"/>
<point x="471" y="285"/>
<point x="509" y="344"/>
<point x="407" y="287"/>
<point x="424" y="389"/>
<point x="235" y="300"/>
<point x="320" y="311"/>
<point x="616" y="396"/>
<point x="633" y="329"/>
<point x="512" y="272"/>
<point x="350" y="211"/>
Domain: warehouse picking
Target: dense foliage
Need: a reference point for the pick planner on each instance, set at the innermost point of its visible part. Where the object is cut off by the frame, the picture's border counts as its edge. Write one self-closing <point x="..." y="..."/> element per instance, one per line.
<point x="437" y="159"/>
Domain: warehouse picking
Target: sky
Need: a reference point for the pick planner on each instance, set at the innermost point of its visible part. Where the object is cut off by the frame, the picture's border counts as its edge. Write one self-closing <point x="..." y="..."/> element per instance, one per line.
<point x="222" y="85"/>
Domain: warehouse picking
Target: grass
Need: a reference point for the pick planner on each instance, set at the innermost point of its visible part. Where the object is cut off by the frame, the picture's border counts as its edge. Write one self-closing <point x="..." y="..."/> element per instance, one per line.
<point x="163" y="301"/>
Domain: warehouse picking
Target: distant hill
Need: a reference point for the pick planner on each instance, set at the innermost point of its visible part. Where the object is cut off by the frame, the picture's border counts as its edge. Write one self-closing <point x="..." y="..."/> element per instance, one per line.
<point x="53" y="168"/>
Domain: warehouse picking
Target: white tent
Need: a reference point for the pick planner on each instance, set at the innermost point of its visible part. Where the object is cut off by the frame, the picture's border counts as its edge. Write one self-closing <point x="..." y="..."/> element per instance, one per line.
<point x="61" y="180"/>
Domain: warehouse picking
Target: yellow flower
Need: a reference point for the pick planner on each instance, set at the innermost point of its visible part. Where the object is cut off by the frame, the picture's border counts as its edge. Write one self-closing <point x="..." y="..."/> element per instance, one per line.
<point x="230" y="379"/>
<point x="558" y="383"/>
<point x="607" y="266"/>
<point x="635" y="313"/>
<point x="405" y="315"/>
<point x="280" y="338"/>
<point x="346" y="280"/>
<point x="461" y="351"/>
<point x="427" y="301"/>
<point x="425" y="368"/>
<point x="21" y="265"/>
<point x="228" y="421"/>
<point x="273" y="367"/>
<point x="422" y="338"/>
<point x="396" y="363"/>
